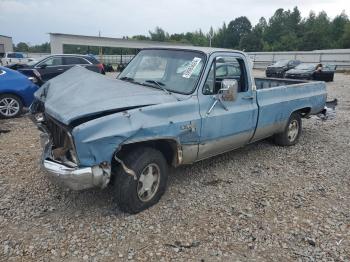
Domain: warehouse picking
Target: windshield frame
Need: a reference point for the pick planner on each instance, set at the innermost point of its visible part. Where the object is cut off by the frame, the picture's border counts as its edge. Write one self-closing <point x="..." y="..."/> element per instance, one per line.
<point x="195" y="86"/>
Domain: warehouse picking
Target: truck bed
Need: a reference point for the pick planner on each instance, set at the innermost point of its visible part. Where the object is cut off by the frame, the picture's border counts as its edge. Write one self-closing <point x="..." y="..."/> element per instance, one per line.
<point x="278" y="98"/>
<point x="263" y="83"/>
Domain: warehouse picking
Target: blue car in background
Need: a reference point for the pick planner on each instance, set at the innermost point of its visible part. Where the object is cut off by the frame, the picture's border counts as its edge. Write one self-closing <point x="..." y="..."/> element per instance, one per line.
<point x="16" y="92"/>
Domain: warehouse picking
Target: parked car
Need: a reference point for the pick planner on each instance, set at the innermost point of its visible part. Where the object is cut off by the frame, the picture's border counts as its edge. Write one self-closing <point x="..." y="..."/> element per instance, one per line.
<point x="16" y="92"/>
<point x="54" y="65"/>
<point x="314" y="71"/>
<point x="279" y="68"/>
<point x="14" y="58"/>
<point x="165" y="109"/>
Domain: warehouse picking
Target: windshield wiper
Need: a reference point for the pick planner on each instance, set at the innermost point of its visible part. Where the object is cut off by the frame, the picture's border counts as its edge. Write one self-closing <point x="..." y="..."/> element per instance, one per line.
<point x="161" y="86"/>
<point x="130" y="79"/>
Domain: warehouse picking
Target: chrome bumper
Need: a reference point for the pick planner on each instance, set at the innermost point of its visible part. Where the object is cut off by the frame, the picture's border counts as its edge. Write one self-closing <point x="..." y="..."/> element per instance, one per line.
<point x="75" y="178"/>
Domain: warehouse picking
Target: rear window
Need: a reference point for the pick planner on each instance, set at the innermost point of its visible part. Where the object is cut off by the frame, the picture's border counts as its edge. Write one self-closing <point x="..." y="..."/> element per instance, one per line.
<point x="72" y="60"/>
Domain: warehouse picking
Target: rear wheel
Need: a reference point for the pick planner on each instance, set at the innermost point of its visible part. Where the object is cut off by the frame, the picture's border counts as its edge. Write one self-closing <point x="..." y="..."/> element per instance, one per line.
<point x="151" y="170"/>
<point x="291" y="133"/>
<point x="10" y="106"/>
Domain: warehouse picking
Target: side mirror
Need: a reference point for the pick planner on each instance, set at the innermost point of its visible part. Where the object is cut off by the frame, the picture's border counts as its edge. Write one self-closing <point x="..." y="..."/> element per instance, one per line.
<point x="43" y="66"/>
<point x="228" y="90"/>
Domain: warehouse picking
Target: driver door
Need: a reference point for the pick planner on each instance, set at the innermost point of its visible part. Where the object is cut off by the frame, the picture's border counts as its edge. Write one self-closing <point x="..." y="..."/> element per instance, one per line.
<point x="231" y="124"/>
<point x="51" y="67"/>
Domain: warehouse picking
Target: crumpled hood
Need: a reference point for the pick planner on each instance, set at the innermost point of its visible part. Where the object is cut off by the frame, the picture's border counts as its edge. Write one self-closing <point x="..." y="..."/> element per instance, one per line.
<point x="79" y="93"/>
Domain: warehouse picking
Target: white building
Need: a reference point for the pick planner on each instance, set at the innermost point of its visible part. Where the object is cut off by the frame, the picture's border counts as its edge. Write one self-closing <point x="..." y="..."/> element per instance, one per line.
<point x="6" y="44"/>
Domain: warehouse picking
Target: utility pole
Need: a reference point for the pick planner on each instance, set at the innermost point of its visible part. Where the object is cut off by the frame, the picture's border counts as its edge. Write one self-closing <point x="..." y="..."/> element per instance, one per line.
<point x="210" y="35"/>
<point x="100" y="49"/>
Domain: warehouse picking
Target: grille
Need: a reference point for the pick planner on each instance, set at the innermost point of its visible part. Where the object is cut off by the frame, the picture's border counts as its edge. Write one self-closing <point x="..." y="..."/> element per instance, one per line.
<point x="58" y="134"/>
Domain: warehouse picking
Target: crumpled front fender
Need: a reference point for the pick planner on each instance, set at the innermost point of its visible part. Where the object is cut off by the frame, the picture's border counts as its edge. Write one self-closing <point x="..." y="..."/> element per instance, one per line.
<point x="97" y="140"/>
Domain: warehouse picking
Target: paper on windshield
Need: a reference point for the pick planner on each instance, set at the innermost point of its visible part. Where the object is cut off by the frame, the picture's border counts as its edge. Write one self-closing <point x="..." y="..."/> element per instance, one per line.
<point x="191" y="67"/>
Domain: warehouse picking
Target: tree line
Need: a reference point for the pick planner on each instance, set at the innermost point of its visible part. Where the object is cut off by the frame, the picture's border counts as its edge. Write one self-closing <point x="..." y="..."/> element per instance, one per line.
<point x="286" y="30"/>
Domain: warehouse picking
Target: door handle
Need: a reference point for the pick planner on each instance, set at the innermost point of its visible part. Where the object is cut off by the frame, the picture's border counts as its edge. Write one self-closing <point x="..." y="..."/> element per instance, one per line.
<point x="248" y="97"/>
<point x="59" y="69"/>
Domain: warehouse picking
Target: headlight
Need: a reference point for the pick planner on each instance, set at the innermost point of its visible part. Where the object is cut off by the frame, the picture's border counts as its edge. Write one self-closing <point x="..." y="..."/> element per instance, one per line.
<point x="39" y="117"/>
<point x="33" y="79"/>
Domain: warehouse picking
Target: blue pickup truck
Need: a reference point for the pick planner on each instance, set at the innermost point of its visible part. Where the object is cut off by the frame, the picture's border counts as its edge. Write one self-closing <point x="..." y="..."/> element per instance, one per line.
<point x="169" y="107"/>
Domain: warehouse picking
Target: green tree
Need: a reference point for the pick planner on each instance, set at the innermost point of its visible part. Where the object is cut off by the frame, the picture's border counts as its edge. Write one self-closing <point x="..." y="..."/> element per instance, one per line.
<point x="236" y="29"/>
<point x="140" y="37"/>
<point x="317" y="32"/>
<point x="345" y="39"/>
<point x="22" y="47"/>
<point x="159" y="35"/>
<point x="283" y="30"/>
<point x="337" y="29"/>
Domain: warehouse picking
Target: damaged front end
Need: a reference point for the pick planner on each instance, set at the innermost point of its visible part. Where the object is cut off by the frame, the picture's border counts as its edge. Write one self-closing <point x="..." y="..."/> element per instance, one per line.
<point x="60" y="160"/>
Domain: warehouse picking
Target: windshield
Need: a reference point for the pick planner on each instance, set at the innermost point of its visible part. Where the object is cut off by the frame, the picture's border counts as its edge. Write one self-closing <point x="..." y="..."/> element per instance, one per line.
<point x="31" y="63"/>
<point x="174" y="70"/>
<point x="306" y="67"/>
<point x="281" y="63"/>
<point x="37" y="61"/>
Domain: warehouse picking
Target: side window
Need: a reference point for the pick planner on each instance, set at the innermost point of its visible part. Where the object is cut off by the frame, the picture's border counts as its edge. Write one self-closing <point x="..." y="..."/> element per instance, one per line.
<point x="208" y="88"/>
<point x="71" y="60"/>
<point x="52" y="61"/>
<point x="18" y="55"/>
<point x="11" y="55"/>
<point x="226" y="67"/>
<point x="221" y="71"/>
<point x="233" y="71"/>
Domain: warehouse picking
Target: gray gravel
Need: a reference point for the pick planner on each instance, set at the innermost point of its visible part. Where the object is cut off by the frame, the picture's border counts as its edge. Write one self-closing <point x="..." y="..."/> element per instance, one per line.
<point x="258" y="203"/>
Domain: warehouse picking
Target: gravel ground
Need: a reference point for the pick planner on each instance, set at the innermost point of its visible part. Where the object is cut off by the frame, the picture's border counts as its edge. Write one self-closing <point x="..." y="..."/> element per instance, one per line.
<point x="258" y="203"/>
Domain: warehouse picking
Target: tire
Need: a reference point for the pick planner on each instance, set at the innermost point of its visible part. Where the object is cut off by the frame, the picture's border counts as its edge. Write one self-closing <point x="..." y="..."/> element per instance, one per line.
<point x="10" y="106"/>
<point x="128" y="192"/>
<point x="290" y="135"/>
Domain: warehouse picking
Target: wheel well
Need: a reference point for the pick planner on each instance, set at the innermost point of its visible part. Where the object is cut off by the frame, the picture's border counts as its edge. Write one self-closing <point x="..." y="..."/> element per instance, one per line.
<point x="13" y="94"/>
<point x="167" y="147"/>
<point x="304" y="112"/>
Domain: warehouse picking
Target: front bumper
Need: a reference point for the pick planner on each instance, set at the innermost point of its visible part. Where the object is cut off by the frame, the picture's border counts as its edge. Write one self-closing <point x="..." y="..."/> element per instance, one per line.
<point x="76" y="178"/>
<point x="72" y="176"/>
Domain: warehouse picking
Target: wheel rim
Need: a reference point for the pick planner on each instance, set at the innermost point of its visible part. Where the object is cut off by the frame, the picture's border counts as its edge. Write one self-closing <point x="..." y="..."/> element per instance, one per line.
<point x="148" y="182"/>
<point x="293" y="130"/>
<point x="9" y="106"/>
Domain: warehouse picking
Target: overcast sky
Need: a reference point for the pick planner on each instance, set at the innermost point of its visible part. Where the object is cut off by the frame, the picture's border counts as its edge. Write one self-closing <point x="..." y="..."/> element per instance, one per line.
<point x="31" y="20"/>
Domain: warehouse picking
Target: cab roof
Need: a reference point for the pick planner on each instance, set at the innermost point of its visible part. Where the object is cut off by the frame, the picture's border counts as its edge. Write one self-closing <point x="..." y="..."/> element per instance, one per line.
<point x="203" y="49"/>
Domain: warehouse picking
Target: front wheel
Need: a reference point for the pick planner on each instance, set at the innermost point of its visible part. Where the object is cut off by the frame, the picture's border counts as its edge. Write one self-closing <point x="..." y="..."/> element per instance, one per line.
<point x="10" y="106"/>
<point x="151" y="169"/>
<point x="291" y="133"/>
